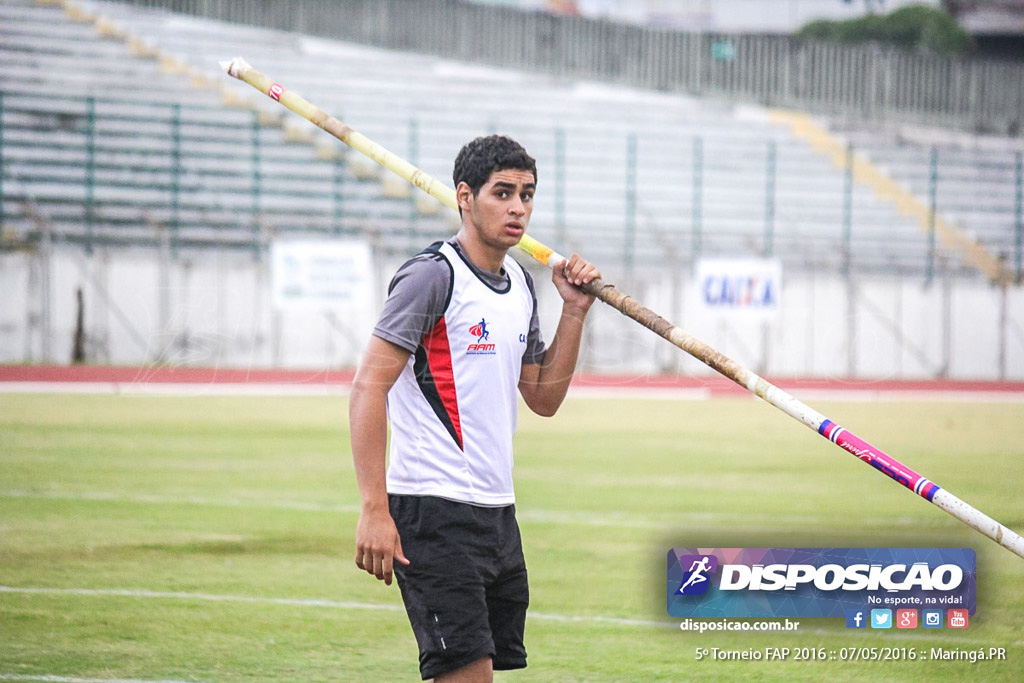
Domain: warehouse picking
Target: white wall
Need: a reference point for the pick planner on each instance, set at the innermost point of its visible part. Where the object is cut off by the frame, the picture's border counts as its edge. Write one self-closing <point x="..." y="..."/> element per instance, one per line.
<point x="213" y="309"/>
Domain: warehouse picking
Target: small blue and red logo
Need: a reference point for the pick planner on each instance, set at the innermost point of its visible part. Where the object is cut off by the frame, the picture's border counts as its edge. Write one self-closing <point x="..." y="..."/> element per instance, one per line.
<point x="483" y="335"/>
<point x="480" y="330"/>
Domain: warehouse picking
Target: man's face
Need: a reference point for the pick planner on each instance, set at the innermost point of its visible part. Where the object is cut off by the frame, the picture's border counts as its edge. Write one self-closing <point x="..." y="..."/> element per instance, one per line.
<point x="501" y="210"/>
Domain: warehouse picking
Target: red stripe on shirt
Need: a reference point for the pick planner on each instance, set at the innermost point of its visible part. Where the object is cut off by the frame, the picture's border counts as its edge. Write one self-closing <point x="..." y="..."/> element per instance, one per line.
<point x="439" y="359"/>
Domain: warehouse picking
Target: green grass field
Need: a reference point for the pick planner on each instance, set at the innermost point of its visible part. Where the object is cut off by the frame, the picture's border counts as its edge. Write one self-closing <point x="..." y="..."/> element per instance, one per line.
<point x="211" y="538"/>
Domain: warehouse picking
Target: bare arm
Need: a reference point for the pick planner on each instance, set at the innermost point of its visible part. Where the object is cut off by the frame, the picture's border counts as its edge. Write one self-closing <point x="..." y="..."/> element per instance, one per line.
<point x="377" y="542"/>
<point x="544" y="386"/>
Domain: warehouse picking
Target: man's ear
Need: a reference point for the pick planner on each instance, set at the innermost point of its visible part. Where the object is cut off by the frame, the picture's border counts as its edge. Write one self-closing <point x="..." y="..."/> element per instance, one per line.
<point x="464" y="195"/>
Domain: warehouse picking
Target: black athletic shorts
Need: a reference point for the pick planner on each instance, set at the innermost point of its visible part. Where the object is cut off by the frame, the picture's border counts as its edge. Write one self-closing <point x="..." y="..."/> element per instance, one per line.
<point x="465" y="588"/>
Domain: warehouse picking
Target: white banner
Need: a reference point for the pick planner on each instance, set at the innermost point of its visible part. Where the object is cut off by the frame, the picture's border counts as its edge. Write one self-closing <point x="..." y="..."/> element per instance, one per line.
<point x="321" y="275"/>
<point x="747" y="289"/>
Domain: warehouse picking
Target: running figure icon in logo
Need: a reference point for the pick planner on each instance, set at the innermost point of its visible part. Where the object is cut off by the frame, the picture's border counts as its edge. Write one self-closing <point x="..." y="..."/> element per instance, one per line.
<point x="696" y="581"/>
<point x="482" y="347"/>
<point x="480" y="331"/>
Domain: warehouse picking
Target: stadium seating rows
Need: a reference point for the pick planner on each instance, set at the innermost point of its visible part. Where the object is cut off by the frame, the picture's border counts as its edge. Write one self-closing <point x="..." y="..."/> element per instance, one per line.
<point x="635" y="176"/>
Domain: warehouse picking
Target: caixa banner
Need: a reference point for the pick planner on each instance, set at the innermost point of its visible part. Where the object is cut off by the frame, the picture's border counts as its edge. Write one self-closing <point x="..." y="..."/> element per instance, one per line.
<point x="745" y="289"/>
<point x="817" y="582"/>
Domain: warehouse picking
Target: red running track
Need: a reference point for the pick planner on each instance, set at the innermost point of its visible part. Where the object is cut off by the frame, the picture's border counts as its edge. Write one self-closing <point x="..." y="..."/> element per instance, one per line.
<point x="39" y="377"/>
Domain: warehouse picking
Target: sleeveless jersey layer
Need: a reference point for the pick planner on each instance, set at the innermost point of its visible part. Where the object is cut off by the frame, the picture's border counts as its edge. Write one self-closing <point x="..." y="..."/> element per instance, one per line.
<point x="454" y="408"/>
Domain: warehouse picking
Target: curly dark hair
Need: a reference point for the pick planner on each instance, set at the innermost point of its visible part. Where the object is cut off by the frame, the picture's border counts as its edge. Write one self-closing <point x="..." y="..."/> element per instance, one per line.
<point x="481" y="157"/>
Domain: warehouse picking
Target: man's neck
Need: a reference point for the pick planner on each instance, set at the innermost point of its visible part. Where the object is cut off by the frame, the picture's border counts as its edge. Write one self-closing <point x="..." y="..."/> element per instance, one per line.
<point x="482" y="256"/>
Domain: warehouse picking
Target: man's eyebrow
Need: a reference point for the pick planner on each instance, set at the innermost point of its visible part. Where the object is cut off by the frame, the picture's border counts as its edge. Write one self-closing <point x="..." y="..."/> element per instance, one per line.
<point x="511" y="186"/>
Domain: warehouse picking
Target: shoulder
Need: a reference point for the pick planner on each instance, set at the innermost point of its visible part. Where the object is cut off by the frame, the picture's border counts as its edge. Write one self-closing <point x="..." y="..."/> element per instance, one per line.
<point x="418" y="297"/>
<point x="427" y="270"/>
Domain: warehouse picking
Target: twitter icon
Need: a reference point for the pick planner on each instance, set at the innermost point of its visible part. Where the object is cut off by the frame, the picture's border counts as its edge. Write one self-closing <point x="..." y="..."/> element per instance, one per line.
<point x="881" y="618"/>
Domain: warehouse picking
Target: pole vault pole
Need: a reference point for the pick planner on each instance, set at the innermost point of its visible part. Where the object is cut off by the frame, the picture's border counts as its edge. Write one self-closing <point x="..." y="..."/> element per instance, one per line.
<point x="632" y="308"/>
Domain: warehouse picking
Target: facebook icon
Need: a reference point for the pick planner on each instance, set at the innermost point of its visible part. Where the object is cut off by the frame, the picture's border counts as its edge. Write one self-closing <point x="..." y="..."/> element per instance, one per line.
<point x="856" y="618"/>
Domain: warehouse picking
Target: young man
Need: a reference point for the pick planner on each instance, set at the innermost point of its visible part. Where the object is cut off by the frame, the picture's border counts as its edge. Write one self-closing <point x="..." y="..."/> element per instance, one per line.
<point x="457" y="338"/>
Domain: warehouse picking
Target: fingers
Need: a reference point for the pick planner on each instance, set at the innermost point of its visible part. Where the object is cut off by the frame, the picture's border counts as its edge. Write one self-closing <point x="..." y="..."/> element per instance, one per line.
<point x="399" y="555"/>
<point x="380" y="561"/>
<point x="385" y="568"/>
<point x="570" y="277"/>
<point x="578" y="271"/>
<point x="377" y="563"/>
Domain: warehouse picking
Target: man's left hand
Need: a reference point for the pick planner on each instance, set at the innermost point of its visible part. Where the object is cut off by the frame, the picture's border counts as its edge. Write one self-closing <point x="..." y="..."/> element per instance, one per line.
<point x="570" y="276"/>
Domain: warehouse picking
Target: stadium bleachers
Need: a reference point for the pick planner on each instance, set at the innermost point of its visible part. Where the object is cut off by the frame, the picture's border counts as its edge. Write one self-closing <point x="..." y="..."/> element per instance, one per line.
<point x="104" y="143"/>
<point x="975" y="178"/>
<point x="628" y="176"/>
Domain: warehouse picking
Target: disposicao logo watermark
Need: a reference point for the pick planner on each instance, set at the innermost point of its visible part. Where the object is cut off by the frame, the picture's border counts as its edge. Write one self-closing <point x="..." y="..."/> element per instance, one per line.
<point x="855" y="583"/>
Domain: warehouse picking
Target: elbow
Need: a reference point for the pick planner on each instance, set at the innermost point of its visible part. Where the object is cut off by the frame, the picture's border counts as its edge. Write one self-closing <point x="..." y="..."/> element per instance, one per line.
<point x="356" y="391"/>
<point x="546" y="411"/>
<point x="360" y="395"/>
<point x="544" y="407"/>
<point x="544" y="399"/>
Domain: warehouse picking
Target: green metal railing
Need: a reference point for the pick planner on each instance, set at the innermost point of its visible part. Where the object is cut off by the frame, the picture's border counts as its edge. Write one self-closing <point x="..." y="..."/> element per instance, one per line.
<point x="90" y="173"/>
<point x="130" y="172"/>
<point x="1018" y="216"/>
<point x="339" y="197"/>
<point x="175" y="225"/>
<point x="933" y="196"/>
<point x="560" y="220"/>
<point x="257" y="179"/>
<point x="2" y="168"/>
<point x="769" y="199"/>
<point x="847" y="239"/>
<point x="106" y="170"/>
<point x="697" y="194"/>
<point x="629" y="239"/>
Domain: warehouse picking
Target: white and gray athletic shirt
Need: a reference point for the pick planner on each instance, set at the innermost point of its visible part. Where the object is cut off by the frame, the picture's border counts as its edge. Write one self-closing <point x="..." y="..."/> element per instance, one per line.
<point x="454" y="408"/>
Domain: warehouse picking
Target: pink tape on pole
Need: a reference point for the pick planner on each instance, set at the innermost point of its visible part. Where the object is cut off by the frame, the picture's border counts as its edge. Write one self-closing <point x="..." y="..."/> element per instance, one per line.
<point x="885" y="464"/>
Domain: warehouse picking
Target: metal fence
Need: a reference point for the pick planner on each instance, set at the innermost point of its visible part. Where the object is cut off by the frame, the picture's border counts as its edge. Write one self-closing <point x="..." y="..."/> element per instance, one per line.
<point x="862" y="82"/>
<point x="96" y="171"/>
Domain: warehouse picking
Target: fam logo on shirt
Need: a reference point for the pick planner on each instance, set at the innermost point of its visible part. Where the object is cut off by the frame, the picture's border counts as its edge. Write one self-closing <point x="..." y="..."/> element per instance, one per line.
<point x="482" y="346"/>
